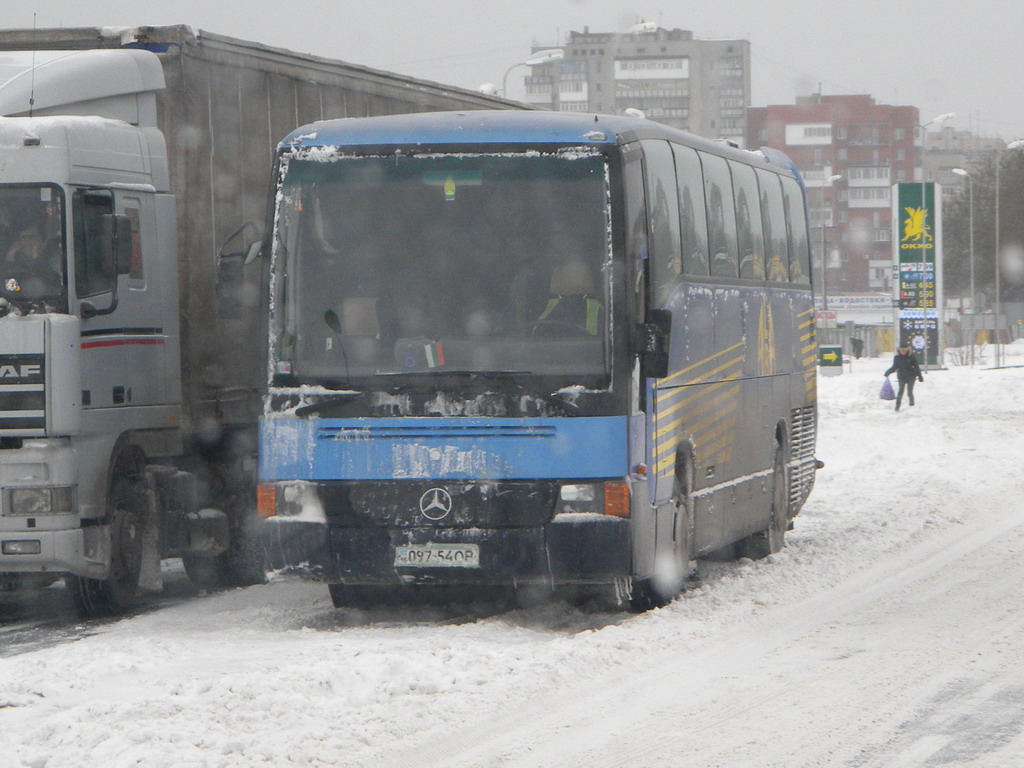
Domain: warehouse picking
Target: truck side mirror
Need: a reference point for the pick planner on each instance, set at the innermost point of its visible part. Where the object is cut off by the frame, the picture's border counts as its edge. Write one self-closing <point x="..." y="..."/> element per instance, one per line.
<point x="116" y="241"/>
<point x="652" y="343"/>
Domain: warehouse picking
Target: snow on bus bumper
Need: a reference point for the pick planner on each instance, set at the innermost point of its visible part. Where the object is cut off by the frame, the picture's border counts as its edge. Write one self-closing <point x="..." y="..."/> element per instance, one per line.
<point x="571" y="549"/>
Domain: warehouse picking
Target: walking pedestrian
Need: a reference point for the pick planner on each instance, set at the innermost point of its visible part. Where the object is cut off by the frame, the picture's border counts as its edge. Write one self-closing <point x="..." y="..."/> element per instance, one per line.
<point x="904" y="365"/>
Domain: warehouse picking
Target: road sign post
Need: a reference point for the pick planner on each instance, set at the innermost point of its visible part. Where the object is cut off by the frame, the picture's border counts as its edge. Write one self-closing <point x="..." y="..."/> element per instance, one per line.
<point x="917" y="264"/>
<point x="830" y="360"/>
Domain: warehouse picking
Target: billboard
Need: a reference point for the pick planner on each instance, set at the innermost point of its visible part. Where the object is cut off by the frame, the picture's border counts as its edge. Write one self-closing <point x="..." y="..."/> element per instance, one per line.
<point x="917" y="264"/>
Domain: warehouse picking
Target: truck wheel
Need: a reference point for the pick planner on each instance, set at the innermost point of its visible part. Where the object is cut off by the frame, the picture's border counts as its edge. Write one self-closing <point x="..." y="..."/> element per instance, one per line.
<point x="773" y="538"/>
<point x="116" y="593"/>
<point x="241" y="565"/>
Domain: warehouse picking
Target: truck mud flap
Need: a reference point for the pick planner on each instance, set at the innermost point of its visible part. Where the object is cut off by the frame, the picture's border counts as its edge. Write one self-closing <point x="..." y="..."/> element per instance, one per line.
<point x="296" y="547"/>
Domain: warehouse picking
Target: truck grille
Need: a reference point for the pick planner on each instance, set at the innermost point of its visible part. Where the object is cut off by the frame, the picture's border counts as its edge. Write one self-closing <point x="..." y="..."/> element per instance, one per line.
<point x="22" y="396"/>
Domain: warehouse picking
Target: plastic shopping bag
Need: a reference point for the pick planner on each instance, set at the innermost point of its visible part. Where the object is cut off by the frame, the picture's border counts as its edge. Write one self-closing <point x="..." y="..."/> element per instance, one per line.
<point x="887" y="393"/>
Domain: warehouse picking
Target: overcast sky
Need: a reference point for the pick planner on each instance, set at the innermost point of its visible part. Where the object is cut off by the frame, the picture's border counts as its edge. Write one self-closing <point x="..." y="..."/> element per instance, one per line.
<point x="938" y="55"/>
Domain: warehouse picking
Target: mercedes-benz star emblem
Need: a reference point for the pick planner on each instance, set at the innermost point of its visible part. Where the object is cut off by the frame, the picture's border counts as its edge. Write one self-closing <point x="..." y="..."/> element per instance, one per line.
<point x="435" y="504"/>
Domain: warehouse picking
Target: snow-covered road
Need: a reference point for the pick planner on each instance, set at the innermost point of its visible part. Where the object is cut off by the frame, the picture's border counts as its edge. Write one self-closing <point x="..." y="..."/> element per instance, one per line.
<point x="888" y="633"/>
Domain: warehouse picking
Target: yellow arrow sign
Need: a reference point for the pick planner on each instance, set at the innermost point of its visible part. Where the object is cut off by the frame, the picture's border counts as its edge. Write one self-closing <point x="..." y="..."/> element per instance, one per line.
<point x="830" y="356"/>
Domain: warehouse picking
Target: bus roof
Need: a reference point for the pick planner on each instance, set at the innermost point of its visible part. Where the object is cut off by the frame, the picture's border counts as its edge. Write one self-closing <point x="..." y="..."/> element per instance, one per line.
<point x="506" y="127"/>
<point x="469" y="127"/>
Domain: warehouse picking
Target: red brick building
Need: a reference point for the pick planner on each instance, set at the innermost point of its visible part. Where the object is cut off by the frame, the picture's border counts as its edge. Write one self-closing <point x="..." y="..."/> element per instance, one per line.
<point x="870" y="147"/>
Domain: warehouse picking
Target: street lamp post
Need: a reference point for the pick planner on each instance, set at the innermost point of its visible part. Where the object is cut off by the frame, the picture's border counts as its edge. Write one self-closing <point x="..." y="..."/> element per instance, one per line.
<point x="999" y="303"/>
<point x="935" y="286"/>
<point x="970" y="187"/>
<point x="533" y="60"/>
<point x="824" y="253"/>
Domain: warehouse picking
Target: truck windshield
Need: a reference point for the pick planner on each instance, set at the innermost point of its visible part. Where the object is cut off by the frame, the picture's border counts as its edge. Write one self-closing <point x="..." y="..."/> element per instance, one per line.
<point x="32" y="244"/>
<point x="462" y="262"/>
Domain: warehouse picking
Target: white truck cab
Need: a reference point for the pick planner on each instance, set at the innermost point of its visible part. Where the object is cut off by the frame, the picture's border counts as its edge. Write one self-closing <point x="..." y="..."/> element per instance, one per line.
<point x="90" y="383"/>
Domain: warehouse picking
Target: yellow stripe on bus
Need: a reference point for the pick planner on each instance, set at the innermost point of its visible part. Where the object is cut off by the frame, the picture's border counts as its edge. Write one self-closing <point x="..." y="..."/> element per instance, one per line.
<point x="704" y="430"/>
<point x="702" y="391"/>
<point x="721" y="450"/>
<point x="736" y="361"/>
<point x="697" y="365"/>
<point x="721" y="397"/>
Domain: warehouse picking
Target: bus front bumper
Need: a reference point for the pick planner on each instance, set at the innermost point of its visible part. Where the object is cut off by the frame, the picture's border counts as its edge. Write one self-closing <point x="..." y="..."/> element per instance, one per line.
<point x="571" y="549"/>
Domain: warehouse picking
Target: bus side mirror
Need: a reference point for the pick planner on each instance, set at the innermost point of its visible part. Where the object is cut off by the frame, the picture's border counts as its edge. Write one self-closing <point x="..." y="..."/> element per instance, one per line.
<point x="238" y="250"/>
<point x="116" y="242"/>
<point x="652" y="343"/>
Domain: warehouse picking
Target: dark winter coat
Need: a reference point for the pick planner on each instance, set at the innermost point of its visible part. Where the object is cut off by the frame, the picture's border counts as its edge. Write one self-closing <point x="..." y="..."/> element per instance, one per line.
<point x="905" y="367"/>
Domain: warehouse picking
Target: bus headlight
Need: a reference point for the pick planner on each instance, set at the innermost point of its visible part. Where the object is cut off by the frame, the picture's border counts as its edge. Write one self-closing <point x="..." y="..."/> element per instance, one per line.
<point x="40" y="501"/>
<point x="578" y="493"/>
<point x="610" y="498"/>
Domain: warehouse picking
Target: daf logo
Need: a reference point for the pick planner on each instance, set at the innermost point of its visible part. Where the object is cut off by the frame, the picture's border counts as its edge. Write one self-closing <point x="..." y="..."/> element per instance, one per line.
<point x="435" y="504"/>
<point x="20" y="371"/>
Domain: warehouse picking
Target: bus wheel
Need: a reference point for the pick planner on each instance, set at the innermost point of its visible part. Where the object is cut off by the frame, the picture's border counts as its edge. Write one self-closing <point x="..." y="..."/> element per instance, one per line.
<point x="685" y="520"/>
<point x="116" y="593"/>
<point x="773" y="538"/>
<point x="671" y="569"/>
<point x="363" y="596"/>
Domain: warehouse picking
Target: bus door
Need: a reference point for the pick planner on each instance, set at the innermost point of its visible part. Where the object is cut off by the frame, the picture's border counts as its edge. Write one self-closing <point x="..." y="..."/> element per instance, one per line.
<point x="637" y="244"/>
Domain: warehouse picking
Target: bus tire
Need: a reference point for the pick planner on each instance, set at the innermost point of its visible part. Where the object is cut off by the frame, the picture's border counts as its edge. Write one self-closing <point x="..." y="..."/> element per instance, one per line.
<point x="669" y="578"/>
<point x="118" y="592"/>
<point x="364" y="596"/>
<point x="773" y="538"/>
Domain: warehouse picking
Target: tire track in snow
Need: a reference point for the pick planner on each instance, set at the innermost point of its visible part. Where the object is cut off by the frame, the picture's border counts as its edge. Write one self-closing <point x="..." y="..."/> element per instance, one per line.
<point x="725" y="688"/>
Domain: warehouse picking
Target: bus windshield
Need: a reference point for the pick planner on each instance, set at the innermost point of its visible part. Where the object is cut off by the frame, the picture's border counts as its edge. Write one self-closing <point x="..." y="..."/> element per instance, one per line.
<point x="32" y="243"/>
<point x="449" y="263"/>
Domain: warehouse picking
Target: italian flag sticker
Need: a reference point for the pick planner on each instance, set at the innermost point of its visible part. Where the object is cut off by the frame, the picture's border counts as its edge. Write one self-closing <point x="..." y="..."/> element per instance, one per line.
<point x="435" y="354"/>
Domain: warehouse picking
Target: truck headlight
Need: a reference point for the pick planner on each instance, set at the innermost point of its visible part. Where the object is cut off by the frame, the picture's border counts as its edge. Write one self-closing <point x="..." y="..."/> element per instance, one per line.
<point x="41" y="501"/>
<point x="29" y="547"/>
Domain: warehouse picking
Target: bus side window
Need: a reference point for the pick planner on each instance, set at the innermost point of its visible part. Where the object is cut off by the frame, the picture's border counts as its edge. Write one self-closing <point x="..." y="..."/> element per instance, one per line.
<point x="692" y="217"/>
<point x="773" y="217"/>
<point x="750" y="235"/>
<point x="721" y="216"/>
<point x="663" y="209"/>
<point x="796" y="216"/>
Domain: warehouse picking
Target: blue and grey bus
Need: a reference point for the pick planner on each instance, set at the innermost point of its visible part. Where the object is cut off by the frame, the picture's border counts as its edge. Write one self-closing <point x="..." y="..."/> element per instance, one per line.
<point x="534" y="350"/>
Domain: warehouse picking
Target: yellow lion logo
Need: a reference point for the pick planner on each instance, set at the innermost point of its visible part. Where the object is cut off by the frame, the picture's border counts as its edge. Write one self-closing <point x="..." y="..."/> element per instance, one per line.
<point x="914" y="227"/>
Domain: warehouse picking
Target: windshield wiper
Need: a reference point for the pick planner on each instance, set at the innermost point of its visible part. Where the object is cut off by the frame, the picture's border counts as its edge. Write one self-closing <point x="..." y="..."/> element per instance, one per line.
<point x="326" y="402"/>
<point x="502" y="380"/>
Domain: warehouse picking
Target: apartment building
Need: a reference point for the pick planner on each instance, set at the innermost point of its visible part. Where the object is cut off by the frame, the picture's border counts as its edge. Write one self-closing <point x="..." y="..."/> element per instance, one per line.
<point x="701" y="86"/>
<point x="869" y="147"/>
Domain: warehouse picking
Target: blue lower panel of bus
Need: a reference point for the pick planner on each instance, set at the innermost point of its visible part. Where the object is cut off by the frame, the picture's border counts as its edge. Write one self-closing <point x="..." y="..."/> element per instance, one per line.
<point x="562" y="552"/>
<point x="443" y="448"/>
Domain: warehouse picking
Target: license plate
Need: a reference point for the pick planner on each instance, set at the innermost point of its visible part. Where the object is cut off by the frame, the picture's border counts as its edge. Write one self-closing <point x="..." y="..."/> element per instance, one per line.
<point x="438" y="555"/>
